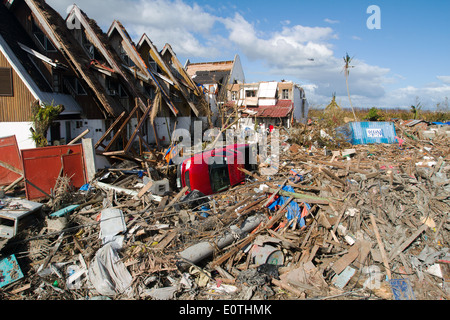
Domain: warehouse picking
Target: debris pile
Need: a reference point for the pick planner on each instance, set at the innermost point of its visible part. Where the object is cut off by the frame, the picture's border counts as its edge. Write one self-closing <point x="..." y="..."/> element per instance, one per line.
<point x="340" y="222"/>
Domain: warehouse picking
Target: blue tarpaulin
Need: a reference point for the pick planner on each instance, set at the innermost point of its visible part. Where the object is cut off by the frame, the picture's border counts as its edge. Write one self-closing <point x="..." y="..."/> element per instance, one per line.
<point x="293" y="209"/>
<point x="442" y="123"/>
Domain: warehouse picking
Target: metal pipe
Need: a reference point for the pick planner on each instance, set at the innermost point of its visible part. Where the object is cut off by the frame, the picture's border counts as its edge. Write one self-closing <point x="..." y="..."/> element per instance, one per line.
<point x="204" y="249"/>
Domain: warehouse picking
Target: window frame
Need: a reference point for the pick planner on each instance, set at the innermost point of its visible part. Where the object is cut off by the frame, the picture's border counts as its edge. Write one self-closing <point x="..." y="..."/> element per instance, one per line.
<point x="11" y="84"/>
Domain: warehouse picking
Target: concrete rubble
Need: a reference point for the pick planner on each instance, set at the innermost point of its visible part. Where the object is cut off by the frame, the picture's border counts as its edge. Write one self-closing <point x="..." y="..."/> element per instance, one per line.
<point x="336" y="221"/>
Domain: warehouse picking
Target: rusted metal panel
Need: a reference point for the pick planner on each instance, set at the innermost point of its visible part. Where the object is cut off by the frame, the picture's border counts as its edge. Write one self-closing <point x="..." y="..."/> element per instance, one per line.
<point x="9" y="153"/>
<point x="42" y="166"/>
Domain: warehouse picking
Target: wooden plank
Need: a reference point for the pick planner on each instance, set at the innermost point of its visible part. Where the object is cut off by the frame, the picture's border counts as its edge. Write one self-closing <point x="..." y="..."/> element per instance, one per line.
<point x="303" y="197"/>
<point x="138" y="128"/>
<point x="364" y="251"/>
<point x="145" y="189"/>
<point x="409" y="240"/>
<point x="85" y="132"/>
<point x="122" y="126"/>
<point x="167" y="239"/>
<point x="52" y="251"/>
<point x="10" y="167"/>
<point x="344" y="261"/>
<point x="23" y="288"/>
<point x="333" y="176"/>
<point x="380" y="246"/>
<point x="12" y="185"/>
<point x="287" y="287"/>
<point x="119" y="118"/>
<point x="162" y="204"/>
<point x="176" y="198"/>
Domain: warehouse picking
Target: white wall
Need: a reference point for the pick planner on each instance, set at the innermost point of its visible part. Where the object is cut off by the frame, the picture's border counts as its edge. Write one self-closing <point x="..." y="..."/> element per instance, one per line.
<point x="97" y="129"/>
<point x="22" y="132"/>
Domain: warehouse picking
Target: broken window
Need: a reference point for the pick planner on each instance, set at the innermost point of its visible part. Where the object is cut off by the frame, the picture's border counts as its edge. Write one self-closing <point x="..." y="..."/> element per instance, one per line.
<point x="56" y="82"/>
<point x="74" y="86"/>
<point x="153" y="65"/>
<point x="126" y="58"/>
<point x="115" y="88"/>
<point x="90" y="49"/>
<point x="250" y="93"/>
<point x="6" y="82"/>
<point x="45" y="42"/>
<point x="285" y="94"/>
<point x="122" y="92"/>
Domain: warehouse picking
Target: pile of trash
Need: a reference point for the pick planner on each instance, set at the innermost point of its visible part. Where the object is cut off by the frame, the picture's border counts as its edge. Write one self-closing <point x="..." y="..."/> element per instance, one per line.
<point x="354" y="222"/>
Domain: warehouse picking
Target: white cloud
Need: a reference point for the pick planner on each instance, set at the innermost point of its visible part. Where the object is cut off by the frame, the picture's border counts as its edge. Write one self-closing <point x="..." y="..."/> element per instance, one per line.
<point x="331" y="21"/>
<point x="175" y="22"/>
<point x="288" y="53"/>
<point x="445" y="79"/>
<point x="292" y="46"/>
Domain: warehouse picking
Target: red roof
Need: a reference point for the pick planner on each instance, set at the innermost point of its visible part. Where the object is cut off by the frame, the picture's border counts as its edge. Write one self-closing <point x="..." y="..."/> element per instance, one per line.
<point x="280" y="110"/>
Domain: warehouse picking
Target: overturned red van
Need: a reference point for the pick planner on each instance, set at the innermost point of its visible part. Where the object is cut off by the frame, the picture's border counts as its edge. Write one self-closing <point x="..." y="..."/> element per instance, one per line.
<point x="216" y="170"/>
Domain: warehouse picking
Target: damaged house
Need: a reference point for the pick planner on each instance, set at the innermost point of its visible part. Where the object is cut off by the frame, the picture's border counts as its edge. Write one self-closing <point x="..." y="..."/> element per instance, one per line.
<point x="128" y="96"/>
<point x="214" y="77"/>
<point x="33" y="69"/>
<point x="268" y="103"/>
<point x="185" y="95"/>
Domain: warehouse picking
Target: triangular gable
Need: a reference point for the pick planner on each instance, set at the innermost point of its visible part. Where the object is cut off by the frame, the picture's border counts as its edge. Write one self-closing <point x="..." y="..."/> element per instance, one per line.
<point x="155" y="55"/>
<point x="169" y="54"/>
<point x="91" y="31"/>
<point x="129" y="47"/>
<point x="96" y="37"/>
<point x="55" y="28"/>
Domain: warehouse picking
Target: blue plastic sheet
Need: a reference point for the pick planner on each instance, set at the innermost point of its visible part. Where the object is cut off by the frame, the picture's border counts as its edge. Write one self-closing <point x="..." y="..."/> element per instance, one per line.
<point x="294" y="211"/>
<point x="86" y="187"/>
<point x="9" y="271"/>
<point x="402" y="290"/>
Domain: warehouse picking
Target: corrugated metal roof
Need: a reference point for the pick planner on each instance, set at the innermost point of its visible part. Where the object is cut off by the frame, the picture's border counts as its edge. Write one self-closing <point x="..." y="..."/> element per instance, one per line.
<point x="69" y="103"/>
<point x="412" y="123"/>
<point x="281" y="110"/>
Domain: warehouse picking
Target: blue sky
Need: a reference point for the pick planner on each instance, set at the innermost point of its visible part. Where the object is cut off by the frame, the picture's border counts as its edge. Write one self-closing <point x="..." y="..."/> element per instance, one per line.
<point x="405" y="62"/>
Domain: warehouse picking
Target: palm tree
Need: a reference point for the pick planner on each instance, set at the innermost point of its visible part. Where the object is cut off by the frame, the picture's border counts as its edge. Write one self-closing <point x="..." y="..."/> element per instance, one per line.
<point x="347" y="66"/>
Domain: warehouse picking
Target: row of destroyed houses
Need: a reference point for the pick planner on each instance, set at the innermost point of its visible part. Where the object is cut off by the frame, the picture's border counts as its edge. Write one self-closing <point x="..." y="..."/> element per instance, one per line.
<point x="121" y="91"/>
